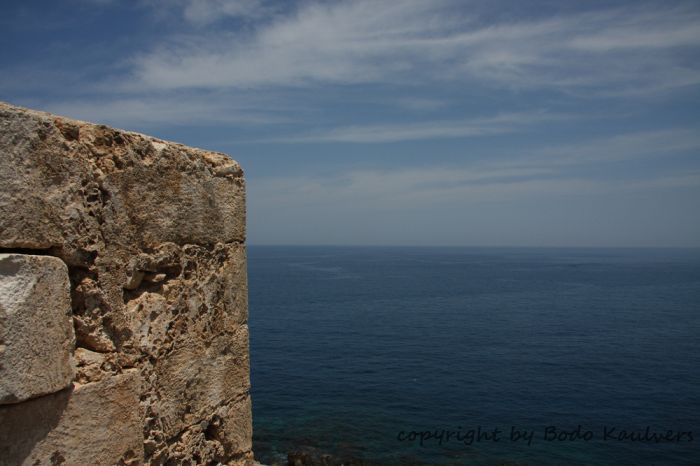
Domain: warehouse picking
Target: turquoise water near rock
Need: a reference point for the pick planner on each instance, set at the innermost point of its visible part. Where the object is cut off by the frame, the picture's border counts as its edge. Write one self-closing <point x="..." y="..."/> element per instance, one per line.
<point x="355" y="350"/>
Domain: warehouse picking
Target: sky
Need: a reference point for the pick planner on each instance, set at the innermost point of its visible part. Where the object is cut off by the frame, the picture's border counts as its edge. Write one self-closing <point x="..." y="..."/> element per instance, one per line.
<point x="402" y="122"/>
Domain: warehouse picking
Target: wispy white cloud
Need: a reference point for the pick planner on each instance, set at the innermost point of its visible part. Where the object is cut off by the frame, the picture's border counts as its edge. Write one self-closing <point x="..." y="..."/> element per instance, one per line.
<point x="204" y="12"/>
<point x="365" y="41"/>
<point x="544" y="172"/>
<point x="421" y="104"/>
<point x="645" y="30"/>
<point x="462" y="207"/>
<point x="620" y="147"/>
<point x="191" y="110"/>
<point x="392" y="189"/>
<point x="435" y="129"/>
<point x="424" y="188"/>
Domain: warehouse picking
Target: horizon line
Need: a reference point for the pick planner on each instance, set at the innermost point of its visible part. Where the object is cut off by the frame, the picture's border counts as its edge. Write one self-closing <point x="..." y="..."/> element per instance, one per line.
<point x="464" y="246"/>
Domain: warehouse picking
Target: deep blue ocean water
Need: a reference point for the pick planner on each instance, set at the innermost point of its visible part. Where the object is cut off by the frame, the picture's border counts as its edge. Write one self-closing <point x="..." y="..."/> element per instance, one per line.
<point x="352" y="347"/>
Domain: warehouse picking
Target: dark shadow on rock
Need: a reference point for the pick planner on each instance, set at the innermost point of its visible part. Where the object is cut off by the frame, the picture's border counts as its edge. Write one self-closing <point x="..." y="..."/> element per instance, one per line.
<point x="24" y="425"/>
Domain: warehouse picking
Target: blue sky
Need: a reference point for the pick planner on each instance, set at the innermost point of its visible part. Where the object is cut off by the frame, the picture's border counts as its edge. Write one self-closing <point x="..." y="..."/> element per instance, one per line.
<point x="403" y="122"/>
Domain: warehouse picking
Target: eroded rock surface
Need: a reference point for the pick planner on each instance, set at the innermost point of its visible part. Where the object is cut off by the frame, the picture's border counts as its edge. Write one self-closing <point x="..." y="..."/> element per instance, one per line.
<point x="153" y="236"/>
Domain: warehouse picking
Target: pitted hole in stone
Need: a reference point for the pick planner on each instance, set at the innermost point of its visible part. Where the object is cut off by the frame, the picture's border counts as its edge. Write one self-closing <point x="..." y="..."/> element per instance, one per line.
<point x="57" y="459"/>
<point x="211" y="432"/>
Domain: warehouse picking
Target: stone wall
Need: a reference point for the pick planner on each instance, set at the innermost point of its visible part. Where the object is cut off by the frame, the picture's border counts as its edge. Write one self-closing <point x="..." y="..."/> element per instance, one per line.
<point x="123" y="298"/>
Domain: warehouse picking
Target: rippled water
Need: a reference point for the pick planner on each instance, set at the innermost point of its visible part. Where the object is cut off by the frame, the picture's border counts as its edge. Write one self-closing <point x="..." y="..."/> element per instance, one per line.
<point x="352" y="346"/>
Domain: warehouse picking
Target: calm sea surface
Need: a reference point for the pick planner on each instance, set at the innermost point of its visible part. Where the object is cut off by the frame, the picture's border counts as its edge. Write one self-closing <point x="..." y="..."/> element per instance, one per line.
<point x="354" y="348"/>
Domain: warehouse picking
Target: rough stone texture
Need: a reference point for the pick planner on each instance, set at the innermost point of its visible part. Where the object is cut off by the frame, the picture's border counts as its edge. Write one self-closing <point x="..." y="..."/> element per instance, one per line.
<point x="36" y="328"/>
<point x="86" y="188"/>
<point x="153" y="235"/>
<point x="97" y="423"/>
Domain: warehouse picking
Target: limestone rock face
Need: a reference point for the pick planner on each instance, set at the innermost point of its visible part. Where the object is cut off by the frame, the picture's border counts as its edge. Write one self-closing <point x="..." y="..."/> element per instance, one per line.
<point x="36" y="328"/>
<point x="153" y="235"/>
<point x="96" y="423"/>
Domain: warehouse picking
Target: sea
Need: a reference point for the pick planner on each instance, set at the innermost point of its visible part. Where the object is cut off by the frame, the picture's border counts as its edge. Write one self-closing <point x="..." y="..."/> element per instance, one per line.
<point x="476" y="356"/>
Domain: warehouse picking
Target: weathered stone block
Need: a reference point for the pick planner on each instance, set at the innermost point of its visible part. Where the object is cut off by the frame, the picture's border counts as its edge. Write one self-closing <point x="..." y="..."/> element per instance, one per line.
<point x="97" y="423"/>
<point x="81" y="186"/>
<point x="36" y="328"/>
